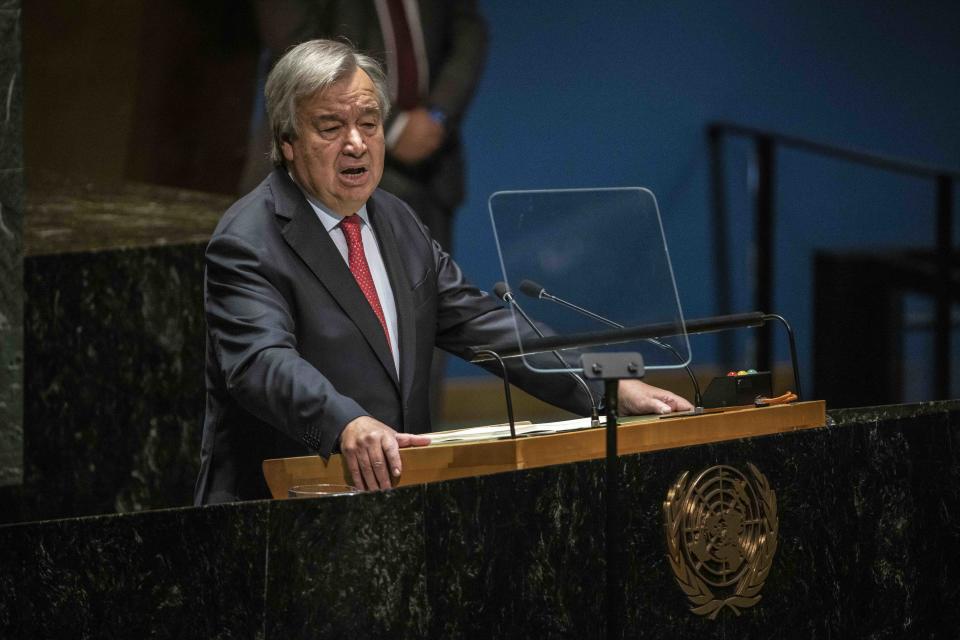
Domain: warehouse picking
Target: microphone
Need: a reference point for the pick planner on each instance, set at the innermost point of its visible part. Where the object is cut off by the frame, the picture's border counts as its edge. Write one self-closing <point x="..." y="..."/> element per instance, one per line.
<point x="531" y="288"/>
<point x="536" y="290"/>
<point x="502" y="291"/>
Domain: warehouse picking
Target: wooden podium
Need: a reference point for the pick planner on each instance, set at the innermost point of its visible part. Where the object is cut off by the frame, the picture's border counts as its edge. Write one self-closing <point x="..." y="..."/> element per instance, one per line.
<point x="439" y="462"/>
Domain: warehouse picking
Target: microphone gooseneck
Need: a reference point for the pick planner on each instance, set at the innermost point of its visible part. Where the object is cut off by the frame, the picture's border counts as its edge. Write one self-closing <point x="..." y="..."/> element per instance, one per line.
<point x="535" y="290"/>
<point x="502" y="291"/>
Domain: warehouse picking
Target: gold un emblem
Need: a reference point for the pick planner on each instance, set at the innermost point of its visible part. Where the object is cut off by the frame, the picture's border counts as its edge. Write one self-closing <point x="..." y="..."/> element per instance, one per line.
<point x="721" y="534"/>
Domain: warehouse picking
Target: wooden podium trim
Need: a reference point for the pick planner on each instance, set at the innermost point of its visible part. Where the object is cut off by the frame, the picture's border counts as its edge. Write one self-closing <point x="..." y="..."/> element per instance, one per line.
<point x="440" y="462"/>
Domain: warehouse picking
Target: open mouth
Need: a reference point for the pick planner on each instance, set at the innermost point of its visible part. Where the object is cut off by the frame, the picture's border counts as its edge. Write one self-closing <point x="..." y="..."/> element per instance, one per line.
<point x="354" y="171"/>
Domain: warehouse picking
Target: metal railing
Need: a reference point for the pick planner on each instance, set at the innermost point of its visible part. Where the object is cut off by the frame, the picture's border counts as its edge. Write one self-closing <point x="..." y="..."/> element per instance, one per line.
<point x="765" y="146"/>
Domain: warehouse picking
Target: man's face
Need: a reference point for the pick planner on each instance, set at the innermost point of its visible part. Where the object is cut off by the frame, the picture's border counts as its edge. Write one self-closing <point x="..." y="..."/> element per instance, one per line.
<point x="338" y="155"/>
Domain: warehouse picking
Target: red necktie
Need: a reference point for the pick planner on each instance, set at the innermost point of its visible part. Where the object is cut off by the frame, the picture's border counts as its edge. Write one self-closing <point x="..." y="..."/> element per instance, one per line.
<point x="360" y="269"/>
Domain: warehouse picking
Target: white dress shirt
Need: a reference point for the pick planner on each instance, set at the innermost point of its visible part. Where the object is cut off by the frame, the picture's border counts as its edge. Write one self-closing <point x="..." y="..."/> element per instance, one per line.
<point x="378" y="271"/>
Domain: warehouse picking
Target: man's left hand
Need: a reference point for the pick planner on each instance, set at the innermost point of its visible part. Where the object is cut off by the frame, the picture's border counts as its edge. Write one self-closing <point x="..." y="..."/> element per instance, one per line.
<point x="637" y="398"/>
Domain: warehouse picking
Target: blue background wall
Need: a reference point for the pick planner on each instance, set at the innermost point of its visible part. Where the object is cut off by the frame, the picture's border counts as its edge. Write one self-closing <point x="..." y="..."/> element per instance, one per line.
<point x="611" y="93"/>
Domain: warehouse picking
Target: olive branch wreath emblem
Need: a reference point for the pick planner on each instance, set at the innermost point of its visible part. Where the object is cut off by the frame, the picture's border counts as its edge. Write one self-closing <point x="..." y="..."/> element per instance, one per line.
<point x="759" y="556"/>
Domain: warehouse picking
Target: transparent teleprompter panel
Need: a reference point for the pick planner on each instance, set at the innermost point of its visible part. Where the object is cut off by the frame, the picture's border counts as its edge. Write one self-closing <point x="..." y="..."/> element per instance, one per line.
<point x="602" y="251"/>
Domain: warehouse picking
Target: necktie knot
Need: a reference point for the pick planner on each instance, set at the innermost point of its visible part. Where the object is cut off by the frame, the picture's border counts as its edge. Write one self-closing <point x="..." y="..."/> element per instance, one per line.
<point x="351" y="225"/>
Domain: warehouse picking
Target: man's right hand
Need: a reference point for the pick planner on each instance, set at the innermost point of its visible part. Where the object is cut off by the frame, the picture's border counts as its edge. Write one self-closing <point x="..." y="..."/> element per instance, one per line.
<point x="371" y="450"/>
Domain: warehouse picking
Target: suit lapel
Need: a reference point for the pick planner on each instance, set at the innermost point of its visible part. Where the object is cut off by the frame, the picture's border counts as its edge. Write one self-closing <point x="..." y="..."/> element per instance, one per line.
<point x="402" y="295"/>
<point x="309" y="239"/>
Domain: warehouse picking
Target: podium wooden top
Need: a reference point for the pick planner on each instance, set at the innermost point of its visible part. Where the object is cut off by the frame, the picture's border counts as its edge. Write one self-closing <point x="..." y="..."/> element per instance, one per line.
<point x="439" y="462"/>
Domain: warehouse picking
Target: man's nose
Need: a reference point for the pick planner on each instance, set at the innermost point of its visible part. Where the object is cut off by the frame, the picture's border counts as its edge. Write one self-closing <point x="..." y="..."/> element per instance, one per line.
<point x="355" y="146"/>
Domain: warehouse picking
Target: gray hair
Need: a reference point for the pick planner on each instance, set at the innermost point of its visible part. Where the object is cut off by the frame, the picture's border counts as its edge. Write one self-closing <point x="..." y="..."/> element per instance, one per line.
<point x="305" y="69"/>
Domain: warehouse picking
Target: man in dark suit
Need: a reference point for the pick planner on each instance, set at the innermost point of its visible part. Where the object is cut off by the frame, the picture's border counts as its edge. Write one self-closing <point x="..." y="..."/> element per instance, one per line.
<point x="433" y="51"/>
<point x="325" y="297"/>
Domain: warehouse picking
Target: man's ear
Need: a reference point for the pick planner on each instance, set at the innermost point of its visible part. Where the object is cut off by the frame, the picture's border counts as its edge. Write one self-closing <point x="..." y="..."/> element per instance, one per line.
<point x="286" y="147"/>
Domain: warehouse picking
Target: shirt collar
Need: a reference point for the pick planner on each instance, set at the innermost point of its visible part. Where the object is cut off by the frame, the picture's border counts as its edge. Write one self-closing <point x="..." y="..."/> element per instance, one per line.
<point x="327" y="217"/>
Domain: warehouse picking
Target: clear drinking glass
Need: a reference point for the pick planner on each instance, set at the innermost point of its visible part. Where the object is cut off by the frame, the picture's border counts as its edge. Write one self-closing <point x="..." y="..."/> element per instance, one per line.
<point x="319" y="490"/>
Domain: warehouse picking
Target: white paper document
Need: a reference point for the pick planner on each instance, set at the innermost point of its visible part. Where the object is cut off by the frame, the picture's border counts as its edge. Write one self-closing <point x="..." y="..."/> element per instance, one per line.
<point x="498" y="431"/>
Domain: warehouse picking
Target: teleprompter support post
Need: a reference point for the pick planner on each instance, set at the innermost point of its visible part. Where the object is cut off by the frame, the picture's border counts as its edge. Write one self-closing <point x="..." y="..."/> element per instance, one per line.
<point x="611" y="368"/>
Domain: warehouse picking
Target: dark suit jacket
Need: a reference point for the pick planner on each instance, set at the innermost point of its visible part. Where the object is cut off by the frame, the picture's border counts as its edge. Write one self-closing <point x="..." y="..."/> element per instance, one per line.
<point x="294" y="351"/>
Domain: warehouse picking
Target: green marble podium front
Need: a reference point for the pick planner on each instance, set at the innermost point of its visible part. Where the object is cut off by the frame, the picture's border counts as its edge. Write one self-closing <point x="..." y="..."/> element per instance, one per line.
<point x="868" y="547"/>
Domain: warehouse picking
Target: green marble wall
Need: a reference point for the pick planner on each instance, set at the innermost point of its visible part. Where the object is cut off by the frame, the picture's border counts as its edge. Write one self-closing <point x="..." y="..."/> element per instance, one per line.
<point x="114" y="348"/>
<point x="11" y="224"/>
<point x="114" y="345"/>
<point x="868" y="548"/>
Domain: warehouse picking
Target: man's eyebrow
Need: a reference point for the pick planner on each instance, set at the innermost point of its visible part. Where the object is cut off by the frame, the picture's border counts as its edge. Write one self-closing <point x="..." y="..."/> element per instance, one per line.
<point x="321" y="117"/>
